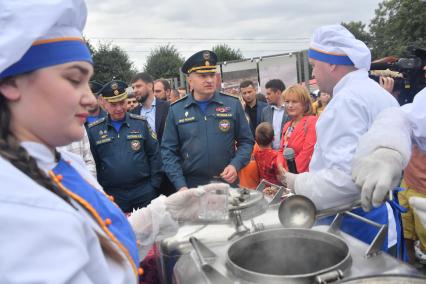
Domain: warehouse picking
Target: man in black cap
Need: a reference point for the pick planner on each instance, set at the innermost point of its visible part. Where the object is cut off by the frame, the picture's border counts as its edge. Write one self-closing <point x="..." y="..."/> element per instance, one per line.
<point x="95" y="111"/>
<point x="126" y="152"/>
<point x="206" y="134"/>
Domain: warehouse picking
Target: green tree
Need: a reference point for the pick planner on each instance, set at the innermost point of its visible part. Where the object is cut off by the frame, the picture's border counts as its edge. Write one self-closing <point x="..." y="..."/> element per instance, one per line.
<point x="225" y="53"/>
<point x="358" y="30"/>
<point x="111" y="62"/>
<point x="164" y="62"/>
<point x="397" y="25"/>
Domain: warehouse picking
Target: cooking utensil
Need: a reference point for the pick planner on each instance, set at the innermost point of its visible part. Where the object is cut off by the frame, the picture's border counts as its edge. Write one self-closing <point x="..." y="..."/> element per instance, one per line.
<point x="288" y="256"/>
<point x="298" y="211"/>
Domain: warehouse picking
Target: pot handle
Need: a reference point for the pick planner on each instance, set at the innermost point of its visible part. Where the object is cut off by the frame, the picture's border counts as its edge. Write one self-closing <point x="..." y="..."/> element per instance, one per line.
<point x="375" y="247"/>
<point x="206" y="257"/>
<point x="329" y="277"/>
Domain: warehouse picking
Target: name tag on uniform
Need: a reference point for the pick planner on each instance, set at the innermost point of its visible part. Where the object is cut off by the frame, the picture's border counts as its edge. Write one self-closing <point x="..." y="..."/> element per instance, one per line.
<point x="223" y="114"/>
<point x="186" y="119"/>
<point x="103" y="141"/>
<point x="134" y="136"/>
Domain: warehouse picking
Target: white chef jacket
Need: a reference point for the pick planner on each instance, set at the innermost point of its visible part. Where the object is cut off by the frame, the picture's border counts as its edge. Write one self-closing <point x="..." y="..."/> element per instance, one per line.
<point x="357" y="100"/>
<point x="396" y="128"/>
<point x="416" y="115"/>
<point x="45" y="240"/>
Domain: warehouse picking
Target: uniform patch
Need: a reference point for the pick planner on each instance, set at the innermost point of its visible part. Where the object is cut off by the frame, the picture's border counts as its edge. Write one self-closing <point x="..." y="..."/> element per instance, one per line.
<point x="153" y="134"/>
<point x="136" y="116"/>
<point x="135" y="145"/>
<point x="186" y="119"/>
<point x="134" y="136"/>
<point x="224" y="125"/>
<point x="223" y="114"/>
<point x="103" y="134"/>
<point x="96" y="122"/>
<point x="103" y="141"/>
<point x="223" y="109"/>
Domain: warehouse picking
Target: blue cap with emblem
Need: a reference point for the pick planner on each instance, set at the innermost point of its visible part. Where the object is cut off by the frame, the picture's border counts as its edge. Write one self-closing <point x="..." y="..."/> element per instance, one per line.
<point x="201" y="62"/>
<point x="95" y="87"/>
<point x="114" y="91"/>
<point x="41" y="33"/>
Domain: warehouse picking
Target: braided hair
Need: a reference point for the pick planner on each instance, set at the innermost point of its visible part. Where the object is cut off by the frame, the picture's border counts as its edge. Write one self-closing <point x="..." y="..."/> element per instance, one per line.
<point x="11" y="150"/>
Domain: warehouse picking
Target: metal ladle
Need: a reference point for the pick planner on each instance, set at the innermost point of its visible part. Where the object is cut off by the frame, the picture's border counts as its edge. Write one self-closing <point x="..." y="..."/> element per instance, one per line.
<point x="298" y="211"/>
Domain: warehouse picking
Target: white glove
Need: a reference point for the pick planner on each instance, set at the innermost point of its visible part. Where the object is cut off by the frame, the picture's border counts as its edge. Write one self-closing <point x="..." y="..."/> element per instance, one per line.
<point x="376" y="174"/>
<point x="419" y="206"/>
<point x="152" y="223"/>
<point x="184" y="205"/>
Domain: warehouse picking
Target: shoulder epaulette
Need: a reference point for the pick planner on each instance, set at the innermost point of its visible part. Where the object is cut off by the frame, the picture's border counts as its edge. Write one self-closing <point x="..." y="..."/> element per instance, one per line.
<point x="96" y="122"/>
<point x="137" y="116"/>
<point x="229" y="95"/>
<point x="181" y="99"/>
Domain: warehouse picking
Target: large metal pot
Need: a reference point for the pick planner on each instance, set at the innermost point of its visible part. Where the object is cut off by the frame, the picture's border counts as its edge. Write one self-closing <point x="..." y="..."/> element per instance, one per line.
<point x="287" y="256"/>
<point x="387" y="279"/>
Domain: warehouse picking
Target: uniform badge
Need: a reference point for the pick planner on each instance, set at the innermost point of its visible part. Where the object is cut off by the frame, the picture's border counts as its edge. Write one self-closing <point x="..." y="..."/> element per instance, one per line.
<point x="116" y="92"/>
<point x="206" y="56"/>
<point x="135" y="144"/>
<point x="103" y="134"/>
<point x="114" y="86"/>
<point x="186" y="114"/>
<point x="224" y="125"/>
<point x="153" y="134"/>
<point x="223" y="109"/>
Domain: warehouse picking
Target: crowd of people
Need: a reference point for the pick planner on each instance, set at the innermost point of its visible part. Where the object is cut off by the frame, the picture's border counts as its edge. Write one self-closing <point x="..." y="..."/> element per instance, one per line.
<point x="96" y="173"/>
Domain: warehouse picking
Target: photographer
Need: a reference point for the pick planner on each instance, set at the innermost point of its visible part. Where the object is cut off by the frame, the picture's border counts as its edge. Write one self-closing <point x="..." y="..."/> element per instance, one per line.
<point x="402" y="75"/>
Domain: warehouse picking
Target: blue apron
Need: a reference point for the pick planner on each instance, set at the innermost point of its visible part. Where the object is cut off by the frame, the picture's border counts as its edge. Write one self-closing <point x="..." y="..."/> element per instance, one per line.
<point x="117" y="222"/>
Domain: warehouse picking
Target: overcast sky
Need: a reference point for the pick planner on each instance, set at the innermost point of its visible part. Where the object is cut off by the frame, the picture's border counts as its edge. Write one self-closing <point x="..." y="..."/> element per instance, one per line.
<point x="256" y="27"/>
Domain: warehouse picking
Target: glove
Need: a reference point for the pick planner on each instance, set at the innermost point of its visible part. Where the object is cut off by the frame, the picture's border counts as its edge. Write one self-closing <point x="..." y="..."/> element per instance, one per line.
<point x="376" y="174"/>
<point x="185" y="204"/>
<point x="419" y="206"/>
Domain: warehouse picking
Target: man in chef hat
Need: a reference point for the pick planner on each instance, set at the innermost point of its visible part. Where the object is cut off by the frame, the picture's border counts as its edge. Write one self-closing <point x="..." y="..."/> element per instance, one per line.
<point x="340" y="64"/>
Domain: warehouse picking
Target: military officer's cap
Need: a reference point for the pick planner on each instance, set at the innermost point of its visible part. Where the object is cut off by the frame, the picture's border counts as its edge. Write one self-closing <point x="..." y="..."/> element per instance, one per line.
<point x="95" y="87"/>
<point x="114" y="91"/>
<point x="201" y="62"/>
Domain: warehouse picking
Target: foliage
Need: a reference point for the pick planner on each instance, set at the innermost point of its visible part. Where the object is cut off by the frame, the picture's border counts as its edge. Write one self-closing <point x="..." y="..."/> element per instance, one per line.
<point x="111" y="62"/>
<point x="397" y="25"/>
<point x="164" y="62"/>
<point x="225" y="53"/>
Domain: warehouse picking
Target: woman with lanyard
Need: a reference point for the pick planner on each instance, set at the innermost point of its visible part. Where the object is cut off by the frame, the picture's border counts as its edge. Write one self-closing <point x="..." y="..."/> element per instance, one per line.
<point x="299" y="133"/>
<point x="57" y="224"/>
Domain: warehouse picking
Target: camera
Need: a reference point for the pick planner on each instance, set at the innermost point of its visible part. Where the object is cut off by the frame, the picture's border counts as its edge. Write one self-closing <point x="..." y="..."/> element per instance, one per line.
<point x="408" y="73"/>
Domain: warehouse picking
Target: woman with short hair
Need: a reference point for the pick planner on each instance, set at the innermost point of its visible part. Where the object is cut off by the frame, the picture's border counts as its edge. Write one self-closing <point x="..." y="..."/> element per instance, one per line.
<point x="298" y="133"/>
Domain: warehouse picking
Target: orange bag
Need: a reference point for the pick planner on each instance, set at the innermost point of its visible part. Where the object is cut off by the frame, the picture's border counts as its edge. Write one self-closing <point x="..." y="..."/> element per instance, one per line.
<point x="249" y="175"/>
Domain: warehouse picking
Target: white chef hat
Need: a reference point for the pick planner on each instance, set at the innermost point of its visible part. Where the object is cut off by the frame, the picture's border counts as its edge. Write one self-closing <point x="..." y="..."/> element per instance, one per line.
<point x="336" y="45"/>
<point x="41" y="33"/>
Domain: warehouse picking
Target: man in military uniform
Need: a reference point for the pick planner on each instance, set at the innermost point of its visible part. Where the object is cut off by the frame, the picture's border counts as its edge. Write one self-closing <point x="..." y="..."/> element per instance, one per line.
<point x="95" y="112"/>
<point x="206" y="133"/>
<point x="126" y="151"/>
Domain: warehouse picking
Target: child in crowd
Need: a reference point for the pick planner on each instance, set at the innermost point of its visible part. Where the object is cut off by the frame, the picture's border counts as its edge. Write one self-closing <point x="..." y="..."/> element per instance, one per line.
<point x="266" y="157"/>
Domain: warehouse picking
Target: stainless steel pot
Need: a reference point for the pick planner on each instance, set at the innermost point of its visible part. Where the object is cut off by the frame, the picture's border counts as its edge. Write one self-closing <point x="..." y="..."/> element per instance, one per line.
<point x="293" y="256"/>
<point x="386" y="279"/>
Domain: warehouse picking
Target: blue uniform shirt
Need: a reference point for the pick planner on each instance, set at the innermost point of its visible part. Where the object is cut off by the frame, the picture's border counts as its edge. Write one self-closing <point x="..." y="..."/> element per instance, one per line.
<point x="197" y="146"/>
